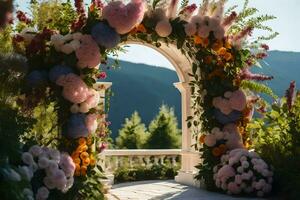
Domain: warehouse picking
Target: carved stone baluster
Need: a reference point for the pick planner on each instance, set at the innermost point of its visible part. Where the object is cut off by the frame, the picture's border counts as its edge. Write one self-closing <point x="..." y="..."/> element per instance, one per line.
<point x="156" y="159"/>
<point x="141" y="160"/>
<point x="130" y="161"/>
<point x="116" y="163"/>
<point x="174" y="164"/>
<point x="162" y="160"/>
<point x="148" y="161"/>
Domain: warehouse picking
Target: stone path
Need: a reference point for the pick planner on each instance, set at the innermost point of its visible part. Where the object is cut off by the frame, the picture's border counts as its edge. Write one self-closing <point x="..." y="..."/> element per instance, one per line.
<point x="163" y="190"/>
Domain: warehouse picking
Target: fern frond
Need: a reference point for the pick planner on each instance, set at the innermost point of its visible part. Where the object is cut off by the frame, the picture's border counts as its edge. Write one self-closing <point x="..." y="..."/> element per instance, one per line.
<point x="269" y="37"/>
<point x="258" y="88"/>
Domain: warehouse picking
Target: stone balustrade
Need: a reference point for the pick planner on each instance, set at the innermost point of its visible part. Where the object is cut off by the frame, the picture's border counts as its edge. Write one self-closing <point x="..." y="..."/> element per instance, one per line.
<point x="113" y="159"/>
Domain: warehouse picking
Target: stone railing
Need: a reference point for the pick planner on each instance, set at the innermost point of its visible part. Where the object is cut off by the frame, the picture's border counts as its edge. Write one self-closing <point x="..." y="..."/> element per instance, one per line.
<point x="113" y="159"/>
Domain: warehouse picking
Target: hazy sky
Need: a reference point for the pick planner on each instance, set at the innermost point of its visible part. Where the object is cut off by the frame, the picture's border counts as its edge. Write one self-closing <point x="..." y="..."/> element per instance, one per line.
<point x="287" y="24"/>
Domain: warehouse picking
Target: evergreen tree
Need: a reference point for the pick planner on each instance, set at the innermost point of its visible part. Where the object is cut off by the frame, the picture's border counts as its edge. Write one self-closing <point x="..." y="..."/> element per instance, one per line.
<point x="133" y="135"/>
<point x="164" y="132"/>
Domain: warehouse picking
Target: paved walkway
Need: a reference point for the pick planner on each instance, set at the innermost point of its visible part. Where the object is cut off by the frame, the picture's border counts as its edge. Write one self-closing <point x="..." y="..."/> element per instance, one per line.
<point x="163" y="190"/>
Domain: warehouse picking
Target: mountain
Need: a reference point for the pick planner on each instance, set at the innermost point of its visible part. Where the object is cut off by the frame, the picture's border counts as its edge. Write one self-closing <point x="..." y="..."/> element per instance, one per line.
<point x="144" y="88"/>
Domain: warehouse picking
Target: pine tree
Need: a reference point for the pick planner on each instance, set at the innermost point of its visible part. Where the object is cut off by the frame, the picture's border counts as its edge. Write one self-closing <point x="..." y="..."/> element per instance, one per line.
<point x="133" y="135"/>
<point x="164" y="132"/>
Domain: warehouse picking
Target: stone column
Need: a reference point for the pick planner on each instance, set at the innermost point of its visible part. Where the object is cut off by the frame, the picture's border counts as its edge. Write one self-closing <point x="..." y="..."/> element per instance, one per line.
<point x="189" y="157"/>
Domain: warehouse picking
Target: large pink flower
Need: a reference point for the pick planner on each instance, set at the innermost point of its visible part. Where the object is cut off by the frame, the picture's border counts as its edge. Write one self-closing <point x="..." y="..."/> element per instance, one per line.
<point x="91" y="122"/>
<point x="74" y="89"/>
<point x="238" y="100"/>
<point x="88" y="53"/>
<point x="124" y="17"/>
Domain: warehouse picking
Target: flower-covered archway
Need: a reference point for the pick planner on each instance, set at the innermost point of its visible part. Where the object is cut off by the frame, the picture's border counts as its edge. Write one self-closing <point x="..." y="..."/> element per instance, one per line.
<point x="212" y="57"/>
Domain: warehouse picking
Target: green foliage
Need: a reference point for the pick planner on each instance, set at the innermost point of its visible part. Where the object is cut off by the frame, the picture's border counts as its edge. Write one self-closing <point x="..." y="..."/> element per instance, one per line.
<point x="258" y="87"/>
<point x="133" y="134"/>
<point x="277" y="138"/>
<point x="164" y="132"/>
<point x="53" y="14"/>
<point x="6" y="40"/>
<point x="141" y="173"/>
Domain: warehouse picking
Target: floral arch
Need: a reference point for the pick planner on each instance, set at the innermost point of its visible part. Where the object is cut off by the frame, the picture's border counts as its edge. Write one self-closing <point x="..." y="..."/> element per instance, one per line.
<point x="212" y="57"/>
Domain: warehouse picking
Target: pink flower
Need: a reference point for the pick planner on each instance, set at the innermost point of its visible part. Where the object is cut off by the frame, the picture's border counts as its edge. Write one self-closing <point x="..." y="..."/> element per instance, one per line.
<point x="229" y="20"/>
<point x="233" y="188"/>
<point x="238" y="100"/>
<point x="91" y="122"/>
<point x="94" y="99"/>
<point x="226" y="172"/>
<point x="67" y="165"/>
<point x="42" y="193"/>
<point x="210" y="140"/>
<point x="124" y="17"/>
<point x="163" y="28"/>
<point x="74" y="89"/>
<point x="102" y="75"/>
<point x="187" y="12"/>
<point x="88" y="53"/>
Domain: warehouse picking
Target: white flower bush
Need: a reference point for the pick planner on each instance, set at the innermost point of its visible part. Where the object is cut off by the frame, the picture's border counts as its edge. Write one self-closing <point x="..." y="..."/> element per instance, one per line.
<point x="243" y="172"/>
<point x="59" y="169"/>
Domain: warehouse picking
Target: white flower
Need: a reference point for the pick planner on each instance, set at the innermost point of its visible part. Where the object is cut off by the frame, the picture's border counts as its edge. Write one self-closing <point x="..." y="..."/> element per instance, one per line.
<point x="43" y="162"/>
<point x="219" y="135"/>
<point x="35" y="150"/>
<point x="27" y="158"/>
<point x="54" y="155"/>
<point x="52" y="168"/>
<point x="26" y="172"/>
<point x="49" y="183"/>
<point x="68" y="37"/>
<point x="42" y="193"/>
<point x="215" y="130"/>
<point x="240" y="169"/>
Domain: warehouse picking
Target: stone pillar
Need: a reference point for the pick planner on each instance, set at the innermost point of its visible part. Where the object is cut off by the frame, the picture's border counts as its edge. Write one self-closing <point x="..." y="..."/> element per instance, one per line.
<point x="189" y="157"/>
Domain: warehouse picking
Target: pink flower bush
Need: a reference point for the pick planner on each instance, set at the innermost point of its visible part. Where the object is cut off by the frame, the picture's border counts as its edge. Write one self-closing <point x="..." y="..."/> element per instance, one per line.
<point x="59" y="169"/>
<point x="242" y="171"/>
<point x="74" y="89"/>
<point x="124" y="17"/>
<point x="88" y="53"/>
<point x="233" y="101"/>
<point x="163" y="28"/>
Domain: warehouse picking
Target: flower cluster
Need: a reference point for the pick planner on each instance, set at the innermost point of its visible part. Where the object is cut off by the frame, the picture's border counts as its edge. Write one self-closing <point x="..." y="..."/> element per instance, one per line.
<point x="59" y="169"/>
<point x="82" y="156"/>
<point x="242" y="171"/>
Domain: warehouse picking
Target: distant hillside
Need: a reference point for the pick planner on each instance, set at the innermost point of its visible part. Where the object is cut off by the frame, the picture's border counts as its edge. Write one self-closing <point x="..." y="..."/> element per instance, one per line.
<point x="144" y="88"/>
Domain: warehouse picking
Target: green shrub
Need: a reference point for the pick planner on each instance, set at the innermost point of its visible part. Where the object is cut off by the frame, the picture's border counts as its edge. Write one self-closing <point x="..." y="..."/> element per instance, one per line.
<point x="141" y="173"/>
<point x="277" y="138"/>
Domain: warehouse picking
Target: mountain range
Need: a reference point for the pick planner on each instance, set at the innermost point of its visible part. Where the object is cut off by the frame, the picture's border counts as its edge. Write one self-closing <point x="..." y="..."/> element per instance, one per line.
<point x="144" y="88"/>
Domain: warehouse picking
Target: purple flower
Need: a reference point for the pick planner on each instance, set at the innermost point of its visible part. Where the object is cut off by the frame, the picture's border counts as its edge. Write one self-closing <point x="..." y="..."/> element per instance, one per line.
<point x="76" y="126"/>
<point x="58" y="71"/>
<point x="227" y="119"/>
<point x="246" y="74"/>
<point x="105" y="36"/>
<point x="37" y="78"/>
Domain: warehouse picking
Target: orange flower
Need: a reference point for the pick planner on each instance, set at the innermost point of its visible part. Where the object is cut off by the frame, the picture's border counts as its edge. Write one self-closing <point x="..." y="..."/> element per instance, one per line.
<point x="82" y="141"/>
<point x="77" y="161"/>
<point x="84" y="155"/>
<point x="141" y="28"/>
<point x="208" y="60"/>
<point x="77" y="167"/>
<point x="82" y="148"/>
<point x="205" y="42"/>
<point x="86" y="162"/>
<point x="217" y="45"/>
<point x="92" y="161"/>
<point x="227" y="44"/>
<point x="77" y="172"/>
<point x="75" y="154"/>
<point x="83" y="170"/>
<point x="216" y="152"/>
<point x="89" y="141"/>
<point x="222" y="148"/>
<point x="197" y="39"/>
<point x="222" y="51"/>
<point x="201" y="139"/>
<point x="227" y="56"/>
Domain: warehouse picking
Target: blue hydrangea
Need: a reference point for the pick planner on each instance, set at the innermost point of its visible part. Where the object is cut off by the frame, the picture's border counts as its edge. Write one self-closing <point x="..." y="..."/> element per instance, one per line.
<point x="37" y="78"/>
<point x="105" y="35"/>
<point x="57" y="71"/>
<point x="76" y="127"/>
<point x="227" y="119"/>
